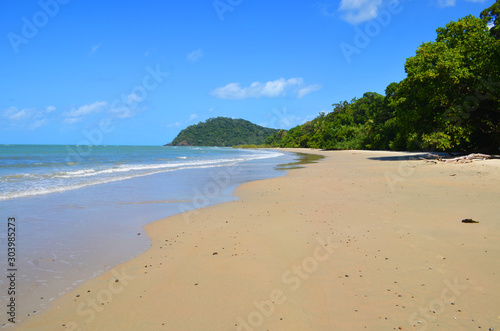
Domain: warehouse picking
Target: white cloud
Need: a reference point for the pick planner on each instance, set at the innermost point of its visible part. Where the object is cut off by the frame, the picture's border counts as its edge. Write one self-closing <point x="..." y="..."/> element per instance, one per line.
<point x="15" y="114"/>
<point x="308" y="89"/>
<point x="446" y="3"/>
<point x="122" y="112"/>
<point x="76" y="115"/>
<point x="195" y="55"/>
<point x="452" y="3"/>
<point x="270" y="89"/>
<point x="192" y="117"/>
<point x="358" y="11"/>
<point x="50" y="109"/>
<point x="87" y="109"/>
<point x="30" y="118"/>
<point x="37" y="124"/>
<point x="72" y="120"/>
<point x="127" y="109"/>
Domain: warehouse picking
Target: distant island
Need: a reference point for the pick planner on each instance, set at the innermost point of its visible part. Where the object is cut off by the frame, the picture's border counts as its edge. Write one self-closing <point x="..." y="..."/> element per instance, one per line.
<point x="223" y="131"/>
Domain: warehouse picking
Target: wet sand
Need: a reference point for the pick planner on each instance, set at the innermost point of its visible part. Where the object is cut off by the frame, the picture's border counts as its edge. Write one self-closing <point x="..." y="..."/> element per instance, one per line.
<point x="359" y="240"/>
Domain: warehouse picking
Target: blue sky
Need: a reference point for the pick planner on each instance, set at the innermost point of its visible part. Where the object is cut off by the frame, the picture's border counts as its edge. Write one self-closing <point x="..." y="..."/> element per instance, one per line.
<point x="136" y="73"/>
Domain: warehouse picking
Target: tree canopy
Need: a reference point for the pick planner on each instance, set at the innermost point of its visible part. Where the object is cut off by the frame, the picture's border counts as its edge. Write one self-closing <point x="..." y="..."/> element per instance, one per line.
<point x="222" y="131"/>
<point x="491" y="15"/>
<point x="449" y="101"/>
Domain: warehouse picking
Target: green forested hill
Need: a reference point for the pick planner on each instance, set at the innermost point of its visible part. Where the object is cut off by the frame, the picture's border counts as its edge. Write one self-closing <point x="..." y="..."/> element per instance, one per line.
<point x="222" y="131"/>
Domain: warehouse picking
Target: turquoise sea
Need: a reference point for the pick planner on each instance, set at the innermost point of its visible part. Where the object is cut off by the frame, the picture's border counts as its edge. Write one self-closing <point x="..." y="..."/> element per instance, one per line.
<point x="80" y="210"/>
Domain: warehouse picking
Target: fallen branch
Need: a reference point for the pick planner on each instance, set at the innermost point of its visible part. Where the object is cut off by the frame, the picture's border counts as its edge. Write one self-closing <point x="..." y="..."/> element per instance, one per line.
<point x="463" y="159"/>
<point x="428" y="161"/>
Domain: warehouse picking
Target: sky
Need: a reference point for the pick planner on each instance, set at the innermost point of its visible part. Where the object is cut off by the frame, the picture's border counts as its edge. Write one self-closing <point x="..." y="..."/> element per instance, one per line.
<point x="136" y="73"/>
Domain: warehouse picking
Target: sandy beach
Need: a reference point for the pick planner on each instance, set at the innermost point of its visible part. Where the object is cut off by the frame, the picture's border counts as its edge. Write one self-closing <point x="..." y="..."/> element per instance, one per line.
<point x="359" y="240"/>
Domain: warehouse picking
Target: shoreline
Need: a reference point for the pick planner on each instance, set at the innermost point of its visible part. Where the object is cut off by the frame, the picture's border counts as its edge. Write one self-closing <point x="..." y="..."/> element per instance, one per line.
<point x="71" y="237"/>
<point x="345" y="243"/>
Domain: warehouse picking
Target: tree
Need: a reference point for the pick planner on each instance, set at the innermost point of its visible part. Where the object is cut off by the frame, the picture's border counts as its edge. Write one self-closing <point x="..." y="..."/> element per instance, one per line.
<point x="491" y="15"/>
<point x="450" y="99"/>
<point x="447" y="101"/>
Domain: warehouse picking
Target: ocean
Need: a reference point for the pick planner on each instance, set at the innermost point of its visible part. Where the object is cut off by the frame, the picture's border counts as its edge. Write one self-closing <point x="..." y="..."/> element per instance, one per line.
<point x="80" y="210"/>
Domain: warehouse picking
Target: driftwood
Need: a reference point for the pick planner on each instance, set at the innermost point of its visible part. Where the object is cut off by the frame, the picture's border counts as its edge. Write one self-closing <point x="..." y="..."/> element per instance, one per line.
<point x="461" y="159"/>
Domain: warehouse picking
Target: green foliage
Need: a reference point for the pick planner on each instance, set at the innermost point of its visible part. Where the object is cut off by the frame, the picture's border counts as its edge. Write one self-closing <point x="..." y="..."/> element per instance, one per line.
<point x="223" y="131"/>
<point x="492" y="15"/>
<point x="449" y="101"/>
<point x="364" y="123"/>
